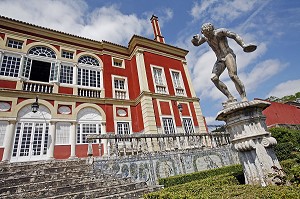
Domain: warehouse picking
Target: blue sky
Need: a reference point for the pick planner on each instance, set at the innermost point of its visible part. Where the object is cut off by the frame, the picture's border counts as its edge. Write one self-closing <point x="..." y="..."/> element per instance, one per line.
<point x="274" y="25"/>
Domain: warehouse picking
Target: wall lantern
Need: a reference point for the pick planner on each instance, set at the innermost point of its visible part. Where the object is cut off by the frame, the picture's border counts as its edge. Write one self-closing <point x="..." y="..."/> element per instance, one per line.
<point x="179" y="106"/>
<point x="35" y="105"/>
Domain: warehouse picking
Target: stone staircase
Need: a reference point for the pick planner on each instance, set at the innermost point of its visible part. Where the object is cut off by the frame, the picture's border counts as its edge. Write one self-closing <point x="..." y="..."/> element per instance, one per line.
<point x="65" y="179"/>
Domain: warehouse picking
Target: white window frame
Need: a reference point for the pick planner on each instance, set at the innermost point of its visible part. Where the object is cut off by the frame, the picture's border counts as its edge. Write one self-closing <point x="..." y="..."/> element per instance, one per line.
<point x="191" y="129"/>
<point x="116" y="90"/>
<point x="169" y="129"/>
<point x="67" y="54"/>
<point x="90" y="68"/>
<point x="81" y="134"/>
<point x="162" y="85"/>
<point x="121" y="62"/>
<point x="17" y="44"/>
<point x="63" y="137"/>
<point x="68" y="77"/>
<point x="178" y="89"/>
<point x="12" y="55"/>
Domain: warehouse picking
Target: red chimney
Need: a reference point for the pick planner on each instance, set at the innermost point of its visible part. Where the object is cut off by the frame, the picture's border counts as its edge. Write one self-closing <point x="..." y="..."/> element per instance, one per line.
<point x="157" y="34"/>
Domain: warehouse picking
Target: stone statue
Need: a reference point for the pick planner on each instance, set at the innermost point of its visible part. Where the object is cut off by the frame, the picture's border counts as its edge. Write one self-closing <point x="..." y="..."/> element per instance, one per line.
<point x="217" y="40"/>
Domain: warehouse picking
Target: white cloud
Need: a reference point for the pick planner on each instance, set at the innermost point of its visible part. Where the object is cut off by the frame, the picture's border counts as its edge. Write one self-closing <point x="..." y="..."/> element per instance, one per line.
<point x="286" y="88"/>
<point x="222" y="10"/>
<point x="102" y="23"/>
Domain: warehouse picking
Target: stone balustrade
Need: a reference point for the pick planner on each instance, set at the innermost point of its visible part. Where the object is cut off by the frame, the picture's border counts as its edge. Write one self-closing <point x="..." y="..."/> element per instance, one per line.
<point x="138" y="143"/>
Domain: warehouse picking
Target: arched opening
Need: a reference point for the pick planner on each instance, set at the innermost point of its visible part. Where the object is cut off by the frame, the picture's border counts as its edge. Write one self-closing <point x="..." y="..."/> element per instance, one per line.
<point x="31" y="134"/>
<point x="40" y="65"/>
<point x="88" y="123"/>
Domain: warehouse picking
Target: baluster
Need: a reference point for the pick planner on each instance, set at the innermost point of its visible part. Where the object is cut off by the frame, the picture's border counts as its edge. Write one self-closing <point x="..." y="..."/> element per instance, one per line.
<point x="124" y="145"/>
<point x="116" y="147"/>
<point x="132" y="146"/>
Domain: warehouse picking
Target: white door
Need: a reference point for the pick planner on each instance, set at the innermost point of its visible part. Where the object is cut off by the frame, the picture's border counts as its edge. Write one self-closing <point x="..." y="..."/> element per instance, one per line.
<point x="31" y="140"/>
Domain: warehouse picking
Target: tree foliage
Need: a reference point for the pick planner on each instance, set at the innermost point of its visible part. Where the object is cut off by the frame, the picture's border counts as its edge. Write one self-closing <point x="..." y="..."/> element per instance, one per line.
<point x="287" y="98"/>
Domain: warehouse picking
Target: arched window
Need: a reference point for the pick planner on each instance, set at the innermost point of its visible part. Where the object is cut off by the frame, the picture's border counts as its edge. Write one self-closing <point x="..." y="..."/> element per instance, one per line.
<point x="40" y="65"/>
<point x="42" y="51"/>
<point x="88" y="123"/>
<point x="88" y="73"/>
<point x="85" y="59"/>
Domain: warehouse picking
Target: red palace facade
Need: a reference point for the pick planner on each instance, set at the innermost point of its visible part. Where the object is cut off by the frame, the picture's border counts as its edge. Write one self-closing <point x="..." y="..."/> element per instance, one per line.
<point x="88" y="87"/>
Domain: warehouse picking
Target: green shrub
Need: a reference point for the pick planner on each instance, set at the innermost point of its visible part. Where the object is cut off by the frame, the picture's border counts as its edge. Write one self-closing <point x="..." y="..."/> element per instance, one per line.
<point x="181" y="179"/>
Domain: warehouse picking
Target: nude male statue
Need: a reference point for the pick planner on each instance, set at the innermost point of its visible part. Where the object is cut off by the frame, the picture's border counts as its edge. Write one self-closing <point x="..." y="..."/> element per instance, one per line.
<point x="217" y="40"/>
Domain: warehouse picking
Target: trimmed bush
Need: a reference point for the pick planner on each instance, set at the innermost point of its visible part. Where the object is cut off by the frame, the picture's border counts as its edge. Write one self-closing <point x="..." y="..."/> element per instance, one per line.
<point x="181" y="179"/>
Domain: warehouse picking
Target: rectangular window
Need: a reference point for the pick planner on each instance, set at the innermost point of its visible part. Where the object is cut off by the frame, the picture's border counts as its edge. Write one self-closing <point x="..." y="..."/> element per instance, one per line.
<point x="123" y="128"/>
<point x="188" y="125"/>
<point x="120" y="88"/>
<point x="177" y="82"/>
<point x="168" y="126"/>
<point x="14" y="43"/>
<point x="67" y="54"/>
<point x="3" y="126"/>
<point x="88" y="77"/>
<point x="159" y="80"/>
<point x="118" y="62"/>
<point x="158" y="76"/>
<point x="10" y="66"/>
<point x="85" y="129"/>
<point x="119" y="83"/>
<point x="176" y="79"/>
<point x="63" y="133"/>
<point x="66" y="74"/>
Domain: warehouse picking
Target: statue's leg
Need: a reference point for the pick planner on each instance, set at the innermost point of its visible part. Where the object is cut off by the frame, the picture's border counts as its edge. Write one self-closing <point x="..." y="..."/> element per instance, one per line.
<point x="232" y="71"/>
<point x="218" y="69"/>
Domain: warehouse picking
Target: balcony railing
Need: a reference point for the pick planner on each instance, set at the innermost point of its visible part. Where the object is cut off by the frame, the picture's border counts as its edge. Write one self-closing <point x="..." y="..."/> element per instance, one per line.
<point x="89" y="93"/>
<point x="179" y="91"/>
<point x="161" y="89"/>
<point x="37" y="87"/>
<point x="120" y="94"/>
<point x="134" y="144"/>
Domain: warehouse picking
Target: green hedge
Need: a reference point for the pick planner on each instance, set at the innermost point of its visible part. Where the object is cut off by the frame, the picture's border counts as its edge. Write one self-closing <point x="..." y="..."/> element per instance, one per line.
<point x="231" y="191"/>
<point x="181" y="179"/>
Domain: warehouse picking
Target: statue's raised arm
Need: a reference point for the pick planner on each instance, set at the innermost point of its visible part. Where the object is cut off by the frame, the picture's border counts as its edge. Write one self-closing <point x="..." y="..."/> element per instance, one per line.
<point x="217" y="40"/>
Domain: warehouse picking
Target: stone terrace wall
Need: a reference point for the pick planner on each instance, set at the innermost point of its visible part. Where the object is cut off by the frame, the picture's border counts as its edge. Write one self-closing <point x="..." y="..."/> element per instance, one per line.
<point x="152" y="166"/>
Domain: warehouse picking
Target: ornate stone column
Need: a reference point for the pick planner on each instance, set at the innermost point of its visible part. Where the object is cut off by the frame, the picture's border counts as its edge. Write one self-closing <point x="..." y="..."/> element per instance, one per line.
<point x="73" y="140"/>
<point x="9" y="140"/>
<point x="52" y="140"/>
<point x="249" y="136"/>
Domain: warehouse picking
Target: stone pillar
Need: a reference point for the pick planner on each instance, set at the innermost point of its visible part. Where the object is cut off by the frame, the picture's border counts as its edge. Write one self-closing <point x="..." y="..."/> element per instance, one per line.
<point x="104" y="141"/>
<point x="73" y="140"/>
<point x="75" y="83"/>
<point x="249" y="136"/>
<point x="9" y="140"/>
<point x="52" y="140"/>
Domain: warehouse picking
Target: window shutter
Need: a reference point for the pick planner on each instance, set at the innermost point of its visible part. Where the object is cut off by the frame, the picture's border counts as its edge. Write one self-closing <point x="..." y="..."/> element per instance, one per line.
<point x="26" y="67"/>
<point x="54" y="71"/>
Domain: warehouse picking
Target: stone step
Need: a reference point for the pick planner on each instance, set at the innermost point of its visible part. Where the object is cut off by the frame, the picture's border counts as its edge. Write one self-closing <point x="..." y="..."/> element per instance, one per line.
<point x="103" y="192"/>
<point x="90" y="190"/>
<point x="42" y="171"/>
<point x="12" y="168"/>
<point x="101" y="180"/>
<point x="14" y="181"/>
<point x="8" y="167"/>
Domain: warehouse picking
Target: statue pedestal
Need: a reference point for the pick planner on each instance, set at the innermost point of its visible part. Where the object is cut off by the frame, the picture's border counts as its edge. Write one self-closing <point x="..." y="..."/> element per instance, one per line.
<point x="249" y="136"/>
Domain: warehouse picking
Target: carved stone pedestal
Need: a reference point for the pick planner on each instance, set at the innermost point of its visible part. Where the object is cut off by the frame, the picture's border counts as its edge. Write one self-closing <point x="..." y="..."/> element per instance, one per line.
<point x="249" y="136"/>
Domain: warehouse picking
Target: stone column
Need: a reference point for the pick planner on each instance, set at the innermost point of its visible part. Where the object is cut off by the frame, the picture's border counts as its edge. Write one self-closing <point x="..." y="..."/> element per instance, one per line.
<point x="73" y="140"/>
<point x="104" y="141"/>
<point x="75" y="83"/>
<point x="52" y="140"/>
<point x="9" y="140"/>
<point x="249" y="136"/>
